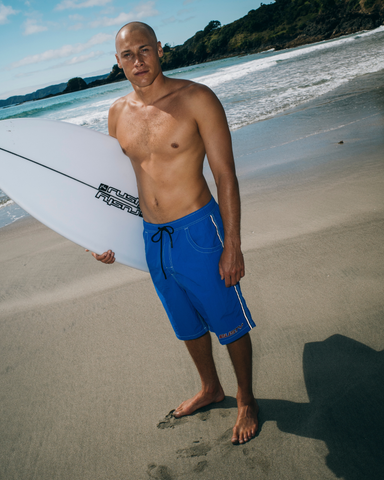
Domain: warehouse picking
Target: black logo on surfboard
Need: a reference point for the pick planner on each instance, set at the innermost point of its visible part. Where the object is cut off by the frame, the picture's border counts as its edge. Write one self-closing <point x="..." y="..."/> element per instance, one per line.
<point x="113" y="197"/>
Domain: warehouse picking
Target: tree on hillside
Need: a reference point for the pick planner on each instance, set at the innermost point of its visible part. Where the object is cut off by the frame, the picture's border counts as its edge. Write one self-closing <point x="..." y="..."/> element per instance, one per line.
<point x="212" y="25"/>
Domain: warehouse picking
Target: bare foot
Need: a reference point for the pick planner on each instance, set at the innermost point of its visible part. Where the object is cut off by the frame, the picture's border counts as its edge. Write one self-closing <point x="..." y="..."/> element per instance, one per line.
<point x="246" y="424"/>
<point x="200" y="400"/>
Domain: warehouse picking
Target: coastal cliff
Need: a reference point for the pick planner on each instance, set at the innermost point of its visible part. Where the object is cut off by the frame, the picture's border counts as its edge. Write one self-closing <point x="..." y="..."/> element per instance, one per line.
<point x="282" y="24"/>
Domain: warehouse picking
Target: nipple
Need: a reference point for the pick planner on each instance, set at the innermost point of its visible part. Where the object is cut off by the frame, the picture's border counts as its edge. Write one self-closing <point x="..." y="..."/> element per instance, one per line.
<point x="174" y="145"/>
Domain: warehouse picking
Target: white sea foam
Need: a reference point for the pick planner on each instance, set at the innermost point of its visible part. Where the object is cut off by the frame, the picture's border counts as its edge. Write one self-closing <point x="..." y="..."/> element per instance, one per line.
<point x="96" y="120"/>
<point x="230" y="74"/>
<point x="6" y="203"/>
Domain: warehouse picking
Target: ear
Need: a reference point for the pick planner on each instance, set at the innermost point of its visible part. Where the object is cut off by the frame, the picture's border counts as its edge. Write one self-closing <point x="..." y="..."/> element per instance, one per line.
<point x="160" y="49"/>
<point x="118" y="61"/>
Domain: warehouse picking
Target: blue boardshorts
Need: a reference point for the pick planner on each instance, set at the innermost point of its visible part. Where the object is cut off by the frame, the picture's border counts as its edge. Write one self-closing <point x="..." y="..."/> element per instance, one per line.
<point x="183" y="259"/>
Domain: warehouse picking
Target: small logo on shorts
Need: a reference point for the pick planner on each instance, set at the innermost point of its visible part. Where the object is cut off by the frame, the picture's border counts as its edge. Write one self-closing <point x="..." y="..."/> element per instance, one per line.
<point x="232" y="332"/>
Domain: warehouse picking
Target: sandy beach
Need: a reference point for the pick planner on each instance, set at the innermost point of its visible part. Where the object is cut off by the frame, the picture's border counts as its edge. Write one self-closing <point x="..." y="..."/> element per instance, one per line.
<point x="90" y="367"/>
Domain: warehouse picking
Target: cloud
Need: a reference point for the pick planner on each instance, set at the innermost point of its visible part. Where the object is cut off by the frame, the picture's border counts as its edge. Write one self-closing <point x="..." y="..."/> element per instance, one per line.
<point x="63" y="52"/>
<point x="143" y="10"/>
<point x="84" y="58"/>
<point x="77" y="26"/>
<point x="76" y="17"/>
<point x="187" y="19"/>
<point x="68" y="4"/>
<point x="167" y="21"/>
<point x="31" y="27"/>
<point x="5" y="12"/>
<point x="184" y="10"/>
<point x="73" y="61"/>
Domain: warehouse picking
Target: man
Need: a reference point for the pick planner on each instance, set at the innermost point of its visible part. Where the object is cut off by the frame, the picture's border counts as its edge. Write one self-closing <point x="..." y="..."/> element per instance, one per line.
<point x="166" y="127"/>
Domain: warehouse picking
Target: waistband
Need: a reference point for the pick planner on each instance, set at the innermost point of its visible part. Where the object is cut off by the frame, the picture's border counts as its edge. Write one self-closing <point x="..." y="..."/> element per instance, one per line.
<point x="184" y="222"/>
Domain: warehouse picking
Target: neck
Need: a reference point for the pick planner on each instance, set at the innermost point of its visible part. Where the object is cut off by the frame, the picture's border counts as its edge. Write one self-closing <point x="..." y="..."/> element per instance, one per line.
<point x="152" y="93"/>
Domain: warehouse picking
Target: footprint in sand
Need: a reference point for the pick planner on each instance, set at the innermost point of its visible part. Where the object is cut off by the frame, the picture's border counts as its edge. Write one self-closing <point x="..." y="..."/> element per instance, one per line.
<point x="254" y="458"/>
<point x="159" y="472"/>
<point x="201" y="466"/>
<point x="194" y="451"/>
<point x="170" y="421"/>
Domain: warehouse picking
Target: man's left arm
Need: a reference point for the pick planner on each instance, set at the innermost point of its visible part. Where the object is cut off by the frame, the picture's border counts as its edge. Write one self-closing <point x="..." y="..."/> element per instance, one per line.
<point x="213" y="128"/>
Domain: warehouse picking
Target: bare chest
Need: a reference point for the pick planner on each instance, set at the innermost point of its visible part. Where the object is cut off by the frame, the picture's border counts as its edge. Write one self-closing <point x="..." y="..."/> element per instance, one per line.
<point x="151" y="131"/>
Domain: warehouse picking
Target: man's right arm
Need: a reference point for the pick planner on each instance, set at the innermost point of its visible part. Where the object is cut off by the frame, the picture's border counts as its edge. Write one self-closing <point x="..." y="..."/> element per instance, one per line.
<point x="113" y="116"/>
<point x="112" y="121"/>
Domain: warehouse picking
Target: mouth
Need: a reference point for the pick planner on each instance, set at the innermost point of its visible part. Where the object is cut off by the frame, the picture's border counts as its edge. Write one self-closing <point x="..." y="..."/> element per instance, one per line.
<point x="143" y="72"/>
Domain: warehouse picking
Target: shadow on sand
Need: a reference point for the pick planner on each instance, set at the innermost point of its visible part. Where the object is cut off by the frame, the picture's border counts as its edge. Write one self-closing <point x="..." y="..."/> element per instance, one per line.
<point x="345" y="385"/>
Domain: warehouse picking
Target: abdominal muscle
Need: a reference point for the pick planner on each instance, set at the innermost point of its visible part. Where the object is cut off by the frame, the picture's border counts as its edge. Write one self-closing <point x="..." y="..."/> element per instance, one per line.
<point x="169" y="190"/>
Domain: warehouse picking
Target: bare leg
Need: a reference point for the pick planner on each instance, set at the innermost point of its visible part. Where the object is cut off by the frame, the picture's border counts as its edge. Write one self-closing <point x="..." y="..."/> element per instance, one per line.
<point x="246" y="425"/>
<point x="211" y="391"/>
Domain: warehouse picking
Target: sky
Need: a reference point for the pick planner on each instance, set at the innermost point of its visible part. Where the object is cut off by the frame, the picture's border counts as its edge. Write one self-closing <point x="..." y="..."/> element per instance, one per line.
<point x="48" y="42"/>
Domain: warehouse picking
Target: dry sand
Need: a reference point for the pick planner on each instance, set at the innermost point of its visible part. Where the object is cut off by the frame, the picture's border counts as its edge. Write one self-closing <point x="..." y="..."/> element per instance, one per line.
<point x="90" y="367"/>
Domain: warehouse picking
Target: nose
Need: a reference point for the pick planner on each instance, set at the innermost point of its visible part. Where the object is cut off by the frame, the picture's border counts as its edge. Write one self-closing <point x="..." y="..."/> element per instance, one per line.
<point x="138" y="61"/>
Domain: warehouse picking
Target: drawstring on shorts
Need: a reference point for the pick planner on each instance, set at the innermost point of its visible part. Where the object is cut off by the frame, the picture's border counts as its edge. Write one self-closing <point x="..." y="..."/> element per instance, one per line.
<point x="170" y="230"/>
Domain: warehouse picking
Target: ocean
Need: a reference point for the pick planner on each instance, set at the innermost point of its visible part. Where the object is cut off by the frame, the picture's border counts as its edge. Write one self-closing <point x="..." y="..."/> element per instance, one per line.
<point x="252" y="88"/>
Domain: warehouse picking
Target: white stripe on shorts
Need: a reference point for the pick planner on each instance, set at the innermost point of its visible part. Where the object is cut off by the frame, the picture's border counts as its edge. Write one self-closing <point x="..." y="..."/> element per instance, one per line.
<point x="235" y="287"/>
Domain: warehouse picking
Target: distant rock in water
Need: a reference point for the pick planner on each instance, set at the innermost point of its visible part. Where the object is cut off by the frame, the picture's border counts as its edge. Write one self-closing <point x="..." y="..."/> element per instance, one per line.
<point x="75" y="84"/>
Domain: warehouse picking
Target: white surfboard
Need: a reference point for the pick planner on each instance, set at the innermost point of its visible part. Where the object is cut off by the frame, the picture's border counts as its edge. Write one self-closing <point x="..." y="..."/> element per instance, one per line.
<point x="77" y="182"/>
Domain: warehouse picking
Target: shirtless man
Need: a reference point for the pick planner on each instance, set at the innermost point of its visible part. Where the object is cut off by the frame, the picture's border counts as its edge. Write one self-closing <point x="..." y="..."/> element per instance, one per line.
<point x="166" y="126"/>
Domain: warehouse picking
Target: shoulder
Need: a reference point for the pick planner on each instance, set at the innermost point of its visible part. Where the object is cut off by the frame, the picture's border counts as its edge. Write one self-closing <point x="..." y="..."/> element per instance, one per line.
<point x="190" y="90"/>
<point x="196" y="98"/>
<point x="202" y="103"/>
<point x="198" y="91"/>
<point x="119" y="104"/>
<point x="115" y="111"/>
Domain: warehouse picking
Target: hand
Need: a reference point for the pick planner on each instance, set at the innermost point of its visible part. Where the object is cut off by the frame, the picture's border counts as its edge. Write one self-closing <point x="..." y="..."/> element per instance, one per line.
<point x="231" y="266"/>
<point x="106" y="257"/>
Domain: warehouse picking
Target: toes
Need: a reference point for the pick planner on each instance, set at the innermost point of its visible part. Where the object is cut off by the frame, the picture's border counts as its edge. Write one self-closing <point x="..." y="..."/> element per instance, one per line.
<point x="179" y="412"/>
<point x="242" y="437"/>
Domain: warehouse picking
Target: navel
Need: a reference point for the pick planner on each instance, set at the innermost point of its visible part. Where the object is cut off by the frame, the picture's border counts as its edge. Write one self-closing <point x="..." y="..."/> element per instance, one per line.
<point x="174" y="145"/>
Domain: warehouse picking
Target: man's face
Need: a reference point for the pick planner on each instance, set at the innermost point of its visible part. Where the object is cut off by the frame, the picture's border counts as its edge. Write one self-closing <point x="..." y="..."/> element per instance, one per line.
<point x="138" y="55"/>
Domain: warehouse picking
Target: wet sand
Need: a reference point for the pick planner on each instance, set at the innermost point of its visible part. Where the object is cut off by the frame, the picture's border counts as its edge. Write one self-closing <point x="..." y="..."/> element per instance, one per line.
<point x="90" y="366"/>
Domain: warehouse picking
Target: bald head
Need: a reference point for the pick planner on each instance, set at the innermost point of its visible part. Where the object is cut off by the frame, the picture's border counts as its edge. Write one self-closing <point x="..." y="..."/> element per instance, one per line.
<point x="138" y="53"/>
<point x="133" y="26"/>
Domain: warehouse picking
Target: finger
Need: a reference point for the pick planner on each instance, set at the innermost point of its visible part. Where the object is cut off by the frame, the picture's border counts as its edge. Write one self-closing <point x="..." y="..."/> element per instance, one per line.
<point x="239" y="275"/>
<point x="110" y="257"/>
<point x="243" y="270"/>
<point x="106" y="257"/>
<point x="221" y="272"/>
<point x="234" y="279"/>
